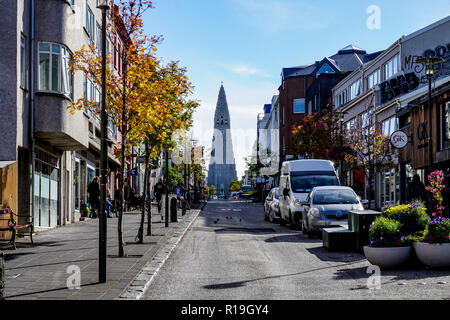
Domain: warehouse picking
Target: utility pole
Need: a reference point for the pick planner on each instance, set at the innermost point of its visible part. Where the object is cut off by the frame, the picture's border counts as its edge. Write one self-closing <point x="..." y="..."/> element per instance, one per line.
<point x="103" y="5"/>
<point x="166" y="178"/>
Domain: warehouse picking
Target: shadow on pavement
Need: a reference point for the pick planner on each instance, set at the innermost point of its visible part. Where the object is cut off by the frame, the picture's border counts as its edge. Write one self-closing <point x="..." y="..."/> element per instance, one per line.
<point x="49" y="290"/>
<point x="323" y="254"/>
<point x="290" y="238"/>
<point x="244" y="230"/>
<point x="236" y="284"/>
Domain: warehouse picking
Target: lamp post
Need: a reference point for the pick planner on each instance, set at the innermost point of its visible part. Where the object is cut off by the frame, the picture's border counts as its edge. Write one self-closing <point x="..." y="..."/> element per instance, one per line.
<point x="103" y="5"/>
<point x="429" y="64"/>
<point x="341" y="144"/>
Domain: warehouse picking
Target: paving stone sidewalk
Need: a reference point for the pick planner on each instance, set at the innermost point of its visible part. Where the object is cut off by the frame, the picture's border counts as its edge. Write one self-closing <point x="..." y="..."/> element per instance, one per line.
<point x="40" y="271"/>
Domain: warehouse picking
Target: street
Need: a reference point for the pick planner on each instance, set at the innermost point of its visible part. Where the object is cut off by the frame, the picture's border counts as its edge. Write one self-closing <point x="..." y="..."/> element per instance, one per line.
<point x="230" y="252"/>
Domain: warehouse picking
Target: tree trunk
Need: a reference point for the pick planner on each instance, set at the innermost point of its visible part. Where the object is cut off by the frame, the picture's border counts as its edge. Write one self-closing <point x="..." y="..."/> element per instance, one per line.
<point x="140" y="235"/>
<point x="149" y="206"/>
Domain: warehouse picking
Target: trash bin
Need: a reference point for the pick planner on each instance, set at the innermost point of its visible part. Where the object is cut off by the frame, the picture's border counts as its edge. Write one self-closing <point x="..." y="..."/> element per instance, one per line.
<point x="173" y="209"/>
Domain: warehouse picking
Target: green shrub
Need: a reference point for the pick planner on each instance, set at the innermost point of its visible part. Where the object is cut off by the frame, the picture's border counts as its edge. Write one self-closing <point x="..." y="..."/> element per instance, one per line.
<point x="413" y="217"/>
<point x="385" y="232"/>
<point x="438" y="231"/>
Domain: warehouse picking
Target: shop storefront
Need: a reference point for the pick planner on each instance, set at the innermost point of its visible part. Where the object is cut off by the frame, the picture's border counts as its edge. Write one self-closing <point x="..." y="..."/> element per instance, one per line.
<point x="46" y="189"/>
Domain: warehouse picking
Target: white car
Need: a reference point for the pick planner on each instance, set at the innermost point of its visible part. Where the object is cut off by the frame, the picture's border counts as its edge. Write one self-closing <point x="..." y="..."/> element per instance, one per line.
<point x="298" y="178"/>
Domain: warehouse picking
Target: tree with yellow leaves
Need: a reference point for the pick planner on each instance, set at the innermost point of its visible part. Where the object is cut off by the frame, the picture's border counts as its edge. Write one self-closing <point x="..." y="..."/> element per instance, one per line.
<point x="371" y="149"/>
<point x="145" y="100"/>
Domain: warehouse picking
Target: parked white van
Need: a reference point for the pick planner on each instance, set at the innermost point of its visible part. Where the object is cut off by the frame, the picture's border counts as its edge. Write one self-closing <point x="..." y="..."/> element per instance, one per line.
<point x="297" y="179"/>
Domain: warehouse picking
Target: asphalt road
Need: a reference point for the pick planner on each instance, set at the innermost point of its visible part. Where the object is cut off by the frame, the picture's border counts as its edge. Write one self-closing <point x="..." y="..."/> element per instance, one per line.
<point x="230" y="252"/>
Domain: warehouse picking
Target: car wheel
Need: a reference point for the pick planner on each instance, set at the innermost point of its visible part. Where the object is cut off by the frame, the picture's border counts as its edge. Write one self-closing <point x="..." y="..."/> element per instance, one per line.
<point x="271" y="215"/>
<point x="282" y="221"/>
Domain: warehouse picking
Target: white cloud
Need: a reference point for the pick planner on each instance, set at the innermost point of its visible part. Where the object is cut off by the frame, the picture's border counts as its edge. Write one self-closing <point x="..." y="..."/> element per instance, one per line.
<point x="244" y="70"/>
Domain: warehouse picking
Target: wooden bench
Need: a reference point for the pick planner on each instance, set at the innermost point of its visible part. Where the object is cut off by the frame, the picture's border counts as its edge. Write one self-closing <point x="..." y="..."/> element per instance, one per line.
<point x="13" y="226"/>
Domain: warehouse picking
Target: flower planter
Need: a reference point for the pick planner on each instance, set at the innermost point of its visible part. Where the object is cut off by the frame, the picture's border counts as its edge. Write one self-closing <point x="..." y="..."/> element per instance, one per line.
<point x="433" y="255"/>
<point x="387" y="257"/>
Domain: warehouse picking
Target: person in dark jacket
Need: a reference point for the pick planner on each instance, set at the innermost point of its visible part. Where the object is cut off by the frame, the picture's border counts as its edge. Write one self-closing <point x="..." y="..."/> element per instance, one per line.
<point x="416" y="189"/>
<point x="94" y="196"/>
<point x="159" y="189"/>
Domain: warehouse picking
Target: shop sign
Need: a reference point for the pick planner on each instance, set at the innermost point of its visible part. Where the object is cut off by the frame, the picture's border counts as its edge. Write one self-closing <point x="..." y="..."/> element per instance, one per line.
<point x="399" y="139"/>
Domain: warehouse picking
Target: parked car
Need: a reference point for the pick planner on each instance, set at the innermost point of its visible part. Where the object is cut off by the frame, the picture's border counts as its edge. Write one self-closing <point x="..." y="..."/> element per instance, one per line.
<point x="298" y="178"/>
<point x="272" y="206"/>
<point x="328" y="207"/>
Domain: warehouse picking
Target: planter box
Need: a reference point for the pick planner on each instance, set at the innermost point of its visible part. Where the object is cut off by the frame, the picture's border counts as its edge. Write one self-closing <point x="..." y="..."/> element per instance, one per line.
<point x="387" y="257"/>
<point x="359" y="222"/>
<point x="338" y="239"/>
<point x="433" y="255"/>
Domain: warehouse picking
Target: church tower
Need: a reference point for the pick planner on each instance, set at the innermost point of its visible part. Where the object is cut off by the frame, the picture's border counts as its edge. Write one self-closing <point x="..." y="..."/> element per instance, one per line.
<point x="222" y="167"/>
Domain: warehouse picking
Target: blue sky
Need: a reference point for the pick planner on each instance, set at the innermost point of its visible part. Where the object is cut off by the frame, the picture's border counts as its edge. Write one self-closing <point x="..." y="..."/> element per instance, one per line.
<point x="245" y="43"/>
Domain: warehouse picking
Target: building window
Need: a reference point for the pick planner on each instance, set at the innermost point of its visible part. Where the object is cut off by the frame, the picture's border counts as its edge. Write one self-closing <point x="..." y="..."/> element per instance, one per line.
<point x="91" y="93"/>
<point x="373" y="79"/>
<point x="23" y="62"/>
<point x="299" y="105"/>
<point x="99" y="39"/>
<point x="446" y="125"/>
<point x="392" y="67"/>
<point x="355" y="89"/>
<point x="389" y="126"/>
<point x="310" y="107"/>
<point x="350" y="125"/>
<point x="54" y="73"/>
<point x="89" y="24"/>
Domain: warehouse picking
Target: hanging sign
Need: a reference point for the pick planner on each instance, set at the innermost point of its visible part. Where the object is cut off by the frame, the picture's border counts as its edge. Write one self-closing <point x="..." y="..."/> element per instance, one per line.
<point x="399" y="139"/>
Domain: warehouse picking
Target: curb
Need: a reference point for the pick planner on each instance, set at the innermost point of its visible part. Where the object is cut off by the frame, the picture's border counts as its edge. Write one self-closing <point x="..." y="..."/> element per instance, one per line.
<point x="138" y="286"/>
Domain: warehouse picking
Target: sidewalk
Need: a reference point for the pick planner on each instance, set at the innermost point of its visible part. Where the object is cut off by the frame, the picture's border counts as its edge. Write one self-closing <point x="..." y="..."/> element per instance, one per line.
<point x="39" y="271"/>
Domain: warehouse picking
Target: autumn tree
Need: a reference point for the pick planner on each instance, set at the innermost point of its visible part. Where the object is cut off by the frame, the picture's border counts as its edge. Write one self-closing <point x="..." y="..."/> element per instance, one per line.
<point x="235" y="186"/>
<point x="316" y="135"/>
<point x="126" y="27"/>
<point x="212" y="190"/>
<point x="371" y="149"/>
<point x="164" y="109"/>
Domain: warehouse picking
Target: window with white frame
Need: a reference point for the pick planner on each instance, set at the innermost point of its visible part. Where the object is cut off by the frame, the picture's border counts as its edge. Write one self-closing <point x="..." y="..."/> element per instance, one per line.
<point x="89" y="24"/>
<point x="23" y="62"/>
<point x="54" y="74"/>
<point x="91" y="93"/>
<point x="310" y="107"/>
<point x="392" y="67"/>
<point x="373" y="79"/>
<point x="99" y="39"/>
<point x="350" y="125"/>
<point x="355" y="89"/>
<point x="389" y="126"/>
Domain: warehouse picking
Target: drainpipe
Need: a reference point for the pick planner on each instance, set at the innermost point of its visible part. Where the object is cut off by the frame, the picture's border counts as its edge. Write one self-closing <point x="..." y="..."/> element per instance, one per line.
<point x="32" y="89"/>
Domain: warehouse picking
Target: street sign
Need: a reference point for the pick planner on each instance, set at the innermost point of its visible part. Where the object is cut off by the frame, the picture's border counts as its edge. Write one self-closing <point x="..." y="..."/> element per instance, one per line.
<point x="134" y="172"/>
<point x="399" y="139"/>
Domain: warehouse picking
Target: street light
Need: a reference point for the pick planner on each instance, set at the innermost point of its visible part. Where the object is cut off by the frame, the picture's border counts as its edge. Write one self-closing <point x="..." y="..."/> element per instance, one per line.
<point x="429" y="64"/>
<point x="103" y="5"/>
<point x="341" y="144"/>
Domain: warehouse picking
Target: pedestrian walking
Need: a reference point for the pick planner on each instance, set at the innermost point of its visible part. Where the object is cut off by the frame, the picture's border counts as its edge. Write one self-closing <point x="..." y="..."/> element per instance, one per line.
<point x="416" y="190"/>
<point x="159" y="190"/>
<point x="94" y="196"/>
<point x="108" y="204"/>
